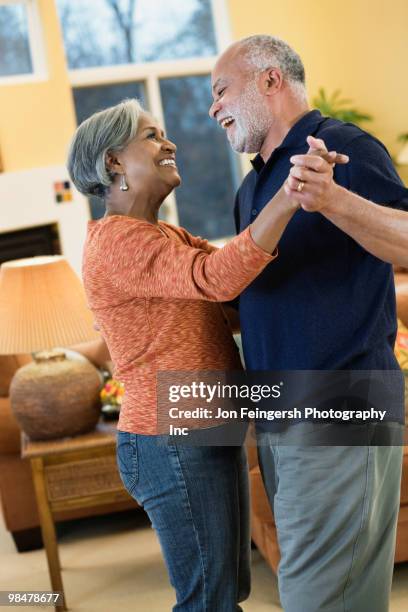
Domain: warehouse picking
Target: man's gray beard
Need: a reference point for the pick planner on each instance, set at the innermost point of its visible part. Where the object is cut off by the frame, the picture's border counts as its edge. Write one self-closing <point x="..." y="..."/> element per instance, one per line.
<point x="242" y="142"/>
<point x="252" y="121"/>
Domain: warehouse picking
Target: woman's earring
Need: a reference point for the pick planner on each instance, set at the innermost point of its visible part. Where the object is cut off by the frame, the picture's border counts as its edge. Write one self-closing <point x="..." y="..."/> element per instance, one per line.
<point x="123" y="184"/>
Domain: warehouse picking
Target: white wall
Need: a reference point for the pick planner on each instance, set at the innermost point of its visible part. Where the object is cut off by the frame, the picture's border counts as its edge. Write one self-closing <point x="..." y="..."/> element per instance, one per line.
<point x="27" y="199"/>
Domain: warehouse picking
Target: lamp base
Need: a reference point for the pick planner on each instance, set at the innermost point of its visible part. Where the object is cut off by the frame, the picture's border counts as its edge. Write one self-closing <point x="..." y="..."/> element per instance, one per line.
<point x="54" y="397"/>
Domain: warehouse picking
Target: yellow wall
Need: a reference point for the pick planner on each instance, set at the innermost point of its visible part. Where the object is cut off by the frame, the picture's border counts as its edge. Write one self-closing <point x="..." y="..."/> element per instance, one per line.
<point x="37" y="119"/>
<point x="358" y="46"/>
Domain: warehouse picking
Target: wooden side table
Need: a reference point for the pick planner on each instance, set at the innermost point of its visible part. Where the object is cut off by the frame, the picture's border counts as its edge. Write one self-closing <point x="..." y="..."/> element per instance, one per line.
<point x="72" y="473"/>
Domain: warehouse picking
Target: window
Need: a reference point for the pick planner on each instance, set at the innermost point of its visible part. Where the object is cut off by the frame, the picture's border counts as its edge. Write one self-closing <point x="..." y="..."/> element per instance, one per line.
<point x="89" y="100"/>
<point x="162" y="53"/>
<point x="14" y="43"/>
<point x="206" y="162"/>
<point x="135" y="31"/>
<point x="21" y="49"/>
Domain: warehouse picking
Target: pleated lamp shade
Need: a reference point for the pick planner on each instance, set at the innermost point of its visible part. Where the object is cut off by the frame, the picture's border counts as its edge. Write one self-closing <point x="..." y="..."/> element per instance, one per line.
<point x="42" y="305"/>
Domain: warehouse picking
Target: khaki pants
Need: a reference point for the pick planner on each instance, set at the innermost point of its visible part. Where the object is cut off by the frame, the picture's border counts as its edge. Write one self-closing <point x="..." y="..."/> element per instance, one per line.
<point x="335" y="510"/>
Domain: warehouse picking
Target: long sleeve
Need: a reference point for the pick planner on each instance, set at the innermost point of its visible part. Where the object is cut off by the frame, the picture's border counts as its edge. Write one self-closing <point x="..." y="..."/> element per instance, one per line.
<point x="141" y="262"/>
<point x="196" y="241"/>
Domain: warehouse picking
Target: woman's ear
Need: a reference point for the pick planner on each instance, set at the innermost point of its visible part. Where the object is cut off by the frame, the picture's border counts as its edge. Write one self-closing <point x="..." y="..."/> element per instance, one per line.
<point x="112" y="163"/>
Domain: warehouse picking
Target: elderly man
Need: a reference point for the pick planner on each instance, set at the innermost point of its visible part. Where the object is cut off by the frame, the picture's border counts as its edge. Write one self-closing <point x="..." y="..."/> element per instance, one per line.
<point x="326" y="304"/>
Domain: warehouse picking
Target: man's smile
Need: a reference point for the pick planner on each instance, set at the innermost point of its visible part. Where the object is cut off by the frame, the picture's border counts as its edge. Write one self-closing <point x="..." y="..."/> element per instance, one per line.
<point x="226" y="122"/>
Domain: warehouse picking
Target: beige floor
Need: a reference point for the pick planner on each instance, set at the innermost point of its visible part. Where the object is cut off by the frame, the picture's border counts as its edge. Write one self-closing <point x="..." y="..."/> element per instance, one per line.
<point x="113" y="564"/>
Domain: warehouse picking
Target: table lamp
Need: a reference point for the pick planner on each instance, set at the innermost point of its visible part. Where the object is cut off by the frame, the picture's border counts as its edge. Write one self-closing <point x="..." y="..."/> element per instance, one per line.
<point x="43" y="305"/>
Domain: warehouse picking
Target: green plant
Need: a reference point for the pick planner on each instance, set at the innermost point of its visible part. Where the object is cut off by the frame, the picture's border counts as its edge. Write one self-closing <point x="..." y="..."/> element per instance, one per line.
<point x="403" y="137"/>
<point x="336" y="107"/>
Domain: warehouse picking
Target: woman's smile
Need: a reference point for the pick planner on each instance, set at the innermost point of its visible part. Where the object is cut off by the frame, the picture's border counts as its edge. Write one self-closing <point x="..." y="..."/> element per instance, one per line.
<point x="168" y="162"/>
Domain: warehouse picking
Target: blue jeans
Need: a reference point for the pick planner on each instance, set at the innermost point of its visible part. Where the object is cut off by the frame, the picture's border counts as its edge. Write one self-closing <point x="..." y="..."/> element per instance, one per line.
<point x="198" y="502"/>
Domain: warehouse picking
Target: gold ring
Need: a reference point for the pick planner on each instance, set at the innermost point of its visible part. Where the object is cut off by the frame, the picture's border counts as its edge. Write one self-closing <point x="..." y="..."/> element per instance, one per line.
<point x="300" y="186"/>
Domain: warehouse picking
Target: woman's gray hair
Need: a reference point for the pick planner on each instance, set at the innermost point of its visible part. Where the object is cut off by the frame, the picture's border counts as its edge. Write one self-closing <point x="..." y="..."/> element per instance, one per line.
<point x="263" y="51"/>
<point x="108" y="130"/>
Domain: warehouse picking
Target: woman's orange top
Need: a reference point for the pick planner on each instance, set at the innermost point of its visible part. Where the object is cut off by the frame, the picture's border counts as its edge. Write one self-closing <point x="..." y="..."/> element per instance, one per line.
<point x="154" y="292"/>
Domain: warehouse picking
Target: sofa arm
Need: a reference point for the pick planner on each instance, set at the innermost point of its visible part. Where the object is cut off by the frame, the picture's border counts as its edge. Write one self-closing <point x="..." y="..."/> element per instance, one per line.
<point x="401" y="289"/>
<point x="96" y="352"/>
<point x="9" y="430"/>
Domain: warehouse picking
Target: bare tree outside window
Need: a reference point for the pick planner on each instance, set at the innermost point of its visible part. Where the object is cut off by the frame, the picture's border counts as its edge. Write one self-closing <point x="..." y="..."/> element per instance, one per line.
<point x="112" y="32"/>
<point x="15" y="57"/>
<point x="195" y="39"/>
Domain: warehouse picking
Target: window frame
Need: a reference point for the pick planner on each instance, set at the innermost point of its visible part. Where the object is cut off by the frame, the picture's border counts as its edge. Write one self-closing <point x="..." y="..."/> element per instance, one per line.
<point x="150" y="73"/>
<point x="36" y="45"/>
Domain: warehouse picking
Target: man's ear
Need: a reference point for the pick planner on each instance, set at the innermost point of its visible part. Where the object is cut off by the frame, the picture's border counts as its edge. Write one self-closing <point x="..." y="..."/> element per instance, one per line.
<point x="112" y="163"/>
<point x="272" y="79"/>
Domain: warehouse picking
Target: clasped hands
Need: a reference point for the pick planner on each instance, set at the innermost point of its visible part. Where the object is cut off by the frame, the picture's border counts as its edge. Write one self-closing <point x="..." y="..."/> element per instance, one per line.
<point x="310" y="182"/>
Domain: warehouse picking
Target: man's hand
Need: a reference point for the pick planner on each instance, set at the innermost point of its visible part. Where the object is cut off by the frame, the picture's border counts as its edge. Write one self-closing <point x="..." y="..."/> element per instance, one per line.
<point x="310" y="181"/>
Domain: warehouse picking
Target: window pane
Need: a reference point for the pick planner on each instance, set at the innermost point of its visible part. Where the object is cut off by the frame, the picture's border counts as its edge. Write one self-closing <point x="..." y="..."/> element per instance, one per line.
<point x="128" y="31"/>
<point x="15" y="55"/>
<point x="207" y="165"/>
<point x="89" y="100"/>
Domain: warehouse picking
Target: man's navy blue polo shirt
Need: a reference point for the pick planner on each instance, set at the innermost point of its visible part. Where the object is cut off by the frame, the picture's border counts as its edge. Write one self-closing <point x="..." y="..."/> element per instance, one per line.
<point x="325" y="303"/>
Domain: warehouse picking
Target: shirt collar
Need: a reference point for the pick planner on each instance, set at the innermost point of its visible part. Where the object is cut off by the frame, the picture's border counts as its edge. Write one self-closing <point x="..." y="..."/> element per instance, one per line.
<point x="306" y="125"/>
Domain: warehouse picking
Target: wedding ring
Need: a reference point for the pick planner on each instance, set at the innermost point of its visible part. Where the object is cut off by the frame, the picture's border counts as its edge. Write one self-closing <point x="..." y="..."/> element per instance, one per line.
<point x="300" y="186"/>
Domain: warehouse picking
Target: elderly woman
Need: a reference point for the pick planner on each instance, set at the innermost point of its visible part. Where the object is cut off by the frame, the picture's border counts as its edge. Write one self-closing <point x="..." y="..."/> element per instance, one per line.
<point x="155" y="291"/>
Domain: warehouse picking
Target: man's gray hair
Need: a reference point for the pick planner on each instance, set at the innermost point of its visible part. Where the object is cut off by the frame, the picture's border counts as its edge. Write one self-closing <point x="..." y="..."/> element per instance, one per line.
<point x="262" y="51"/>
<point x="108" y="130"/>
